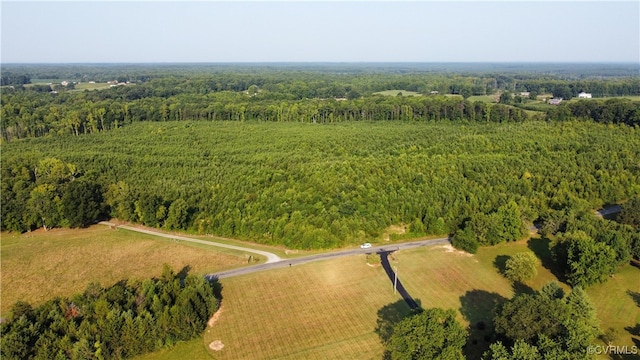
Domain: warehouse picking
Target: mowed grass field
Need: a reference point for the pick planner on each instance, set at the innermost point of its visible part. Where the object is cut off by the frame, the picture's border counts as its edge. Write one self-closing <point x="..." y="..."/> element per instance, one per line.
<point x="40" y="265"/>
<point x="90" y="86"/>
<point x="484" y="98"/>
<point x="321" y="310"/>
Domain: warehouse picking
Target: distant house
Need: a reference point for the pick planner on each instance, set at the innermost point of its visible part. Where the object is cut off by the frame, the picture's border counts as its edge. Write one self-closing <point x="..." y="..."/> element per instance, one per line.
<point x="525" y="93"/>
<point x="64" y="83"/>
<point x="433" y="92"/>
<point x="584" y="95"/>
<point x="555" y="101"/>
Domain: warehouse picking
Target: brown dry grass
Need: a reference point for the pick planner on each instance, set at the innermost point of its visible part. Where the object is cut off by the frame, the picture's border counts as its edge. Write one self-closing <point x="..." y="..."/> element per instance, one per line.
<point x="40" y="265"/>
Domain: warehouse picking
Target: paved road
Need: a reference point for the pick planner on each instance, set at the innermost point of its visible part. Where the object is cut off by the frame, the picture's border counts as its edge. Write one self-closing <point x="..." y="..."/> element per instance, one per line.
<point x="271" y="258"/>
<point x="274" y="261"/>
<point x="328" y="255"/>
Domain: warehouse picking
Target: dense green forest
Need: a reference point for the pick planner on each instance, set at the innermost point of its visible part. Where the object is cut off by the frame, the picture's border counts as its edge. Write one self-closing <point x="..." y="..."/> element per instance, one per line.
<point x="314" y="186"/>
<point x="121" y="321"/>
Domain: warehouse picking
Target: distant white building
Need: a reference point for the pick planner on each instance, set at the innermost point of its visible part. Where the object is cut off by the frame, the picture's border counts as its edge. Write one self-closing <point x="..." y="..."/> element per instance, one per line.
<point x="584" y="95"/>
<point x="525" y="93"/>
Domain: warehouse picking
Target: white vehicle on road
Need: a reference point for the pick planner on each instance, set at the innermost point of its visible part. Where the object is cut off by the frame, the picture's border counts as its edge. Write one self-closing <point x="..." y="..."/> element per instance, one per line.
<point x="365" y="246"/>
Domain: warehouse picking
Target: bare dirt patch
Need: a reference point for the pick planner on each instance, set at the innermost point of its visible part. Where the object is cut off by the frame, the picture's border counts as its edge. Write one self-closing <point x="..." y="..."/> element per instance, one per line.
<point x="215" y="317"/>
<point x="450" y="249"/>
<point x="216" y="345"/>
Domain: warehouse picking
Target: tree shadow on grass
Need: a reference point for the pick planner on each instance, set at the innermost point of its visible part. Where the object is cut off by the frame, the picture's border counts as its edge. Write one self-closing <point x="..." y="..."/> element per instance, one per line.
<point x="521" y="288"/>
<point x="635" y="296"/>
<point x="214" y="282"/>
<point x="500" y="263"/>
<point x="477" y="307"/>
<point x="542" y="248"/>
<point x="183" y="273"/>
<point x="635" y="334"/>
<point x="388" y="316"/>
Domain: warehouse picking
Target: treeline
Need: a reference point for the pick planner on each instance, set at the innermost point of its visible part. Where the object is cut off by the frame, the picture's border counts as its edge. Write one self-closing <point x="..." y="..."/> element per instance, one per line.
<point x="121" y="321"/>
<point x="570" y="89"/>
<point x="33" y="115"/>
<point x="611" y="111"/>
<point x="322" y="94"/>
<point x="323" y="186"/>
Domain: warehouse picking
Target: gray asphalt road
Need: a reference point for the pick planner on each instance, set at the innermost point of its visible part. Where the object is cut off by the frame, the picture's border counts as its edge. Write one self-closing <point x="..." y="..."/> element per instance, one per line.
<point x="325" y="256"/>
<point x="274" y="261"/>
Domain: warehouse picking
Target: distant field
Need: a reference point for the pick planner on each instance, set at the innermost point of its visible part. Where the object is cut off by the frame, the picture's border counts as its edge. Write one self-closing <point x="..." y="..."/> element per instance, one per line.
<point x="87" y="86"/>
<point x="395" y="93"/>
<point x="40" y="265"/>
<point x="45" y="81"/>
<point x="483" y="98"/>
<point x="634" y="98"/>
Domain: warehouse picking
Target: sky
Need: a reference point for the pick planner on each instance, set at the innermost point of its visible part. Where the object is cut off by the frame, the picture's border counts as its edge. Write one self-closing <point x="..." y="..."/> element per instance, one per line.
<point x="320" y="31"/>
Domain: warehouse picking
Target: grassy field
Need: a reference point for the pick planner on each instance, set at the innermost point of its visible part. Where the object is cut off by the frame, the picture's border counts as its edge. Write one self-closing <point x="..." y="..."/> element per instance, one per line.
<point x="87" y="86"/>
<point x="395" y="93"/>
<point x="484" y="98"/>
<point x="40" y="265"/>
<point x="321" y="310"/>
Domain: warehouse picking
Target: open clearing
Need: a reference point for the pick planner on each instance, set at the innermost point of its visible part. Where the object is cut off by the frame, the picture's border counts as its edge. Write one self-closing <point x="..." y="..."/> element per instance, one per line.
<point x="484" y="98"/>
<point x="40" y="265"/>
<point x="395" y="93"/>
<point x="326" y="309"/>
<point x="91" y="86"/>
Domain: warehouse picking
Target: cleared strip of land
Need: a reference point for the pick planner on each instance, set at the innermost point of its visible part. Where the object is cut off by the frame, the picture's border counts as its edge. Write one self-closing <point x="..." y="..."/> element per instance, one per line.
<point x="271" y="258"/>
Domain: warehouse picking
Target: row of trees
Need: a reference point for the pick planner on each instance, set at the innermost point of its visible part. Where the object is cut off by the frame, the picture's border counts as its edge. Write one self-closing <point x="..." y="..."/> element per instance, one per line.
<point x="33" y="115"/>
<point x="277" y="95"/>
<point x="612" y="111"/>
<point x="121" y="321"/>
